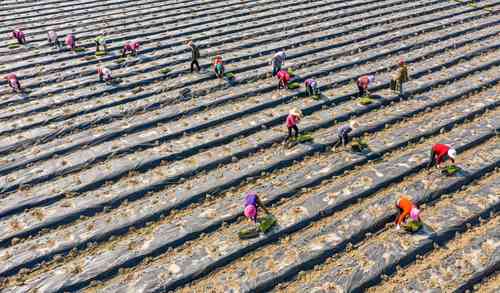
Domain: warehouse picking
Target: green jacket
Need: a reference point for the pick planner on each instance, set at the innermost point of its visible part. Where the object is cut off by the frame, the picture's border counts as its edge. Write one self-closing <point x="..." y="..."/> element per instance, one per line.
<point x="100" y="39"/>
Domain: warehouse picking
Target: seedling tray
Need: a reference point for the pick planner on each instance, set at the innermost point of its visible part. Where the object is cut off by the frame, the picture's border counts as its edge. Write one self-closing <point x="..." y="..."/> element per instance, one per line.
<point x="450" y="170"/>
<point x="248" y="232"/>
<point x="267" y="223"/>
<point x="413" y="226"/>
<point x="294" y="85"/>
<point x="359" y="145"/>
<point x="165" y="70"/>
<point x="366" y="101"/>
<point x="305" y="137"/>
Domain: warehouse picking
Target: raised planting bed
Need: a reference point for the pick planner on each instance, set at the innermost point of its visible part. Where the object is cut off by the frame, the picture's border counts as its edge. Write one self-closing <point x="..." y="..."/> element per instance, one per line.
<point x="100" y="53"/>
<point x="89" y="58"/>
<point x="291" y="72"/>
<point x="304" y="137"/>
<point x="13" y="46"/>
<point x="120" y="61"/>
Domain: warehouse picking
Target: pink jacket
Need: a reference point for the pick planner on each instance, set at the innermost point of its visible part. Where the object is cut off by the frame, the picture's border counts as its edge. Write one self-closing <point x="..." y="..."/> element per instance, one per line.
<point x="70" y="41"/>
<point x="12" y="79"/>
<point x="292" y="120"/>
<point x="18" y="34"/>
<point x="131" y="46"/>
<point x="283" y="75"/>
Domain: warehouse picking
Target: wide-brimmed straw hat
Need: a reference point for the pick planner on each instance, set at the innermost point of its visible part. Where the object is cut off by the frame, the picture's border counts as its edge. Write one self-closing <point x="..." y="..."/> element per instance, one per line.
<point x="296" y="112"/>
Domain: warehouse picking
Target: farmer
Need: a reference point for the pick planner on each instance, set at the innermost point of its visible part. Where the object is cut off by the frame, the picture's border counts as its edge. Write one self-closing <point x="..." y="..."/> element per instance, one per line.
<point x="130" y="47"/>
<point x="363" y="83"/>
<point x="440" y="152"/>
<point x="292" y="120"/>
<point x="70" y="41"/>
<point x="252" y="202"/>
<point x="406" y="209"/>
<point x="400" y="78"/>
<point x="343" y="134"/>
<point x="104" y="74"/>
<point x="311" y="87"/>
<point x="100" y="40"/>
<point x="278" y="61"/>
<point x="218" y="66"/>
<point x="195" y="55"/>
<point x="13" y="82"/>
<point x="283" y="78"/>
<point x="53" y="39"/>
<point x="19" y="36"/>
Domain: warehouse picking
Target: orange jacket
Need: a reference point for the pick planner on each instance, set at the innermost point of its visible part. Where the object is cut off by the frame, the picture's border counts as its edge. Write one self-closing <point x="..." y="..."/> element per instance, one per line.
<point x="405" y="205"/>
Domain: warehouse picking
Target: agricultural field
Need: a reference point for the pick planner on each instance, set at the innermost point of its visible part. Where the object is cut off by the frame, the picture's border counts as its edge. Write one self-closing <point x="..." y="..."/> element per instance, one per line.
<point x="135" y="187"/>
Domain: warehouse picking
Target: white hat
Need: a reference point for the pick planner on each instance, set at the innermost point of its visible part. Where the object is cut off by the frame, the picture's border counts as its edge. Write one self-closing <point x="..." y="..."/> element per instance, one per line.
<point x="452" y="153"/>
<point x="371" y="78"/>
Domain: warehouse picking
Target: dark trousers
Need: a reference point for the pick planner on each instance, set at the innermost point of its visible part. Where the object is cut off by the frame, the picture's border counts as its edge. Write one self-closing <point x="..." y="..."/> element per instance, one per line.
<point x="193" y="63"/>
<point x="296" y="129"/>
<point x="282" y="84"/>
<point x="343" y="139"/>
<point x="276" y="68"/>
<point x="361" y="91"/>
<point x="310" y="90"/>
<point x="56" y="43"/>
<point x="219" y="72"/>
<point x="432" y="159"/>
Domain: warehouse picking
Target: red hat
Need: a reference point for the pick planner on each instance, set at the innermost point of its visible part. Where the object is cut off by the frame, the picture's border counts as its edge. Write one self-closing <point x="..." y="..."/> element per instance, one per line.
<point x="401" y="62"/>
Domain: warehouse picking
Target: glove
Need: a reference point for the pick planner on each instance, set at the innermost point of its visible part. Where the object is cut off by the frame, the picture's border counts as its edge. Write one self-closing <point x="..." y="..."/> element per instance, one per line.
<point x="397" y="227"/>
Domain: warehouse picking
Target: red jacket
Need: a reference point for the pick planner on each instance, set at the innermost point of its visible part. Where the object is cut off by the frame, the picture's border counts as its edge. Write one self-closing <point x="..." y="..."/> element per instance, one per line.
<point x="440" y="151"/>
<point x="363" y="81"/>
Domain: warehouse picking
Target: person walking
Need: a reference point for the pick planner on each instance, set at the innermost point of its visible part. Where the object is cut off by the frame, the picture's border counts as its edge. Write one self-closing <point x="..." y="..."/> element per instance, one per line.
<point x="401" y="77"/>
<point x="292" y="120"/>
<point x="195" y="55"/>
<point x="278" y="61"/>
